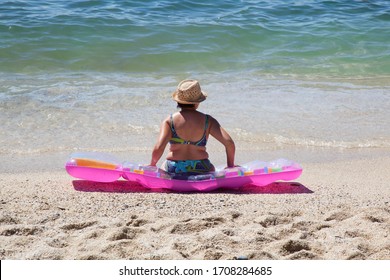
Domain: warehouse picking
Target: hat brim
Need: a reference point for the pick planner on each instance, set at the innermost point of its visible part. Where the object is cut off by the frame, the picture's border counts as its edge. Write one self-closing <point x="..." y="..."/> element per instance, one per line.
<point x="178" y="100"/>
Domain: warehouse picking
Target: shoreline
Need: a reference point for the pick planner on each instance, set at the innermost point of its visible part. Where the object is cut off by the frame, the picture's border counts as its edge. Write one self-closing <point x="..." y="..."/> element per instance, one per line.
<point x="335" y="210"/>
<point x="55" y="161"/>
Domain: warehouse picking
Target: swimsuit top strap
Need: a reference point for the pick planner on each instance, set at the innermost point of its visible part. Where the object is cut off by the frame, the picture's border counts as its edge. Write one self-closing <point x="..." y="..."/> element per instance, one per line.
<point x="174" y="134"/>
<point x="203" y="140"/>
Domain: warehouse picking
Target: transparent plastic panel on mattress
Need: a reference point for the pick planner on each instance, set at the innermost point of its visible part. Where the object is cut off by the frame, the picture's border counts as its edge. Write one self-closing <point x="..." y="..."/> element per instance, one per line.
<point x="142" y="169"/>
<point x="261" y="167"/>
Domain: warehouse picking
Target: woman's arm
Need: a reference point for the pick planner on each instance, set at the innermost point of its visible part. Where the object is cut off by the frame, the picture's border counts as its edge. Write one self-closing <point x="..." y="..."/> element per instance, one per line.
<point x="219" y="133"/>
<point x="163" y="139"/>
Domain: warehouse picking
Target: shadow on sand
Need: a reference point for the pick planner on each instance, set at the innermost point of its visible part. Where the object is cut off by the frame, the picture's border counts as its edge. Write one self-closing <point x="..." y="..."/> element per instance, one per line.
<point x="123" y="186"/>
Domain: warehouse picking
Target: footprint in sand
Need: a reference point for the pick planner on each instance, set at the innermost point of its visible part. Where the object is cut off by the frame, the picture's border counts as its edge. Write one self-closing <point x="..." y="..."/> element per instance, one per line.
<point x="135" y="222"/>
<point x="20" y="231"/>
<point x="94" y="234"/>
<point x="302" y="225"/>
<point x="261" y="255"/>
<point x="197" y="225"/>
<point x="182" y="249"/>
<point x="338" y="216"/>
<point x="375" y="219"/>
<point x="57" y="243"/>
<point x="357" y="256"/>
<point x="293" y="246"/>
<point x="212" y="255"/>
<point x="322" y="226"/>
<point x="78" y="226"/>
<point x="50" y="218"/>
<point x="124" y="233"/>
<point x="263" y="239"/>
<point x="274" y="220"/>
<point x="303" y="255"/>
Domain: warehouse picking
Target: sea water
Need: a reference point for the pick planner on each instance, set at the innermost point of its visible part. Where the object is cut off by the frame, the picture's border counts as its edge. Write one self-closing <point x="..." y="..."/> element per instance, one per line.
<point x="281" y="75"/>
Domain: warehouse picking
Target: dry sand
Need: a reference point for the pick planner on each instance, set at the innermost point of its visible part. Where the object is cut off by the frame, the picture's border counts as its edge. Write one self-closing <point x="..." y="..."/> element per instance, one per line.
<point x="333" y="211"/>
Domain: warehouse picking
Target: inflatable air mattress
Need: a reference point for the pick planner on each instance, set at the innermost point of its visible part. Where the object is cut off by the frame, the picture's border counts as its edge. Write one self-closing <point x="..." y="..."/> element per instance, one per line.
<point x="100" y="167"/>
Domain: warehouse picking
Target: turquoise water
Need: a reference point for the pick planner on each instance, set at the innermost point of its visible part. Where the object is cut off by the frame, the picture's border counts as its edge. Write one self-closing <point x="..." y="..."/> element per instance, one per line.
<point x="281" y="76"/>
<point x="330" y="38"/>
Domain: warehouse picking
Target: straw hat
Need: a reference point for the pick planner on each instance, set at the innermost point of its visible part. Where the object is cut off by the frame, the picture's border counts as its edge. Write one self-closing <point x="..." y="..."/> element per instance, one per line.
<point x="189" y="92"/>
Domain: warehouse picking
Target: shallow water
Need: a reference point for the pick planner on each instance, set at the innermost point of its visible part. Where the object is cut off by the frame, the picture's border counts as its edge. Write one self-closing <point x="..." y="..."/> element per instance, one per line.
<point x="98" y="75"/>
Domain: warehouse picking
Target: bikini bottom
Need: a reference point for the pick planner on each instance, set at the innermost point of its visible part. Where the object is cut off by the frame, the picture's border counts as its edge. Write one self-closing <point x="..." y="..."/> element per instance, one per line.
<point x="181" y="169"/>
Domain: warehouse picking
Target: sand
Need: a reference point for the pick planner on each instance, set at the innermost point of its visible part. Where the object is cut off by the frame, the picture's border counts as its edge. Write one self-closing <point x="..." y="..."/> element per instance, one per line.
<point x="338" y="210"/>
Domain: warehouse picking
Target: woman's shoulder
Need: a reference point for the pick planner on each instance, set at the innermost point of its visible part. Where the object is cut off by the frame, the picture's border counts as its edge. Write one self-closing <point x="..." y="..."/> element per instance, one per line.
<point x="211" y="118"/>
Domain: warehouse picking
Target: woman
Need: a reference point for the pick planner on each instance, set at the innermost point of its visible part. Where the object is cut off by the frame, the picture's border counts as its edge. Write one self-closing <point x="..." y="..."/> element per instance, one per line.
<point x="187" y="132"/>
